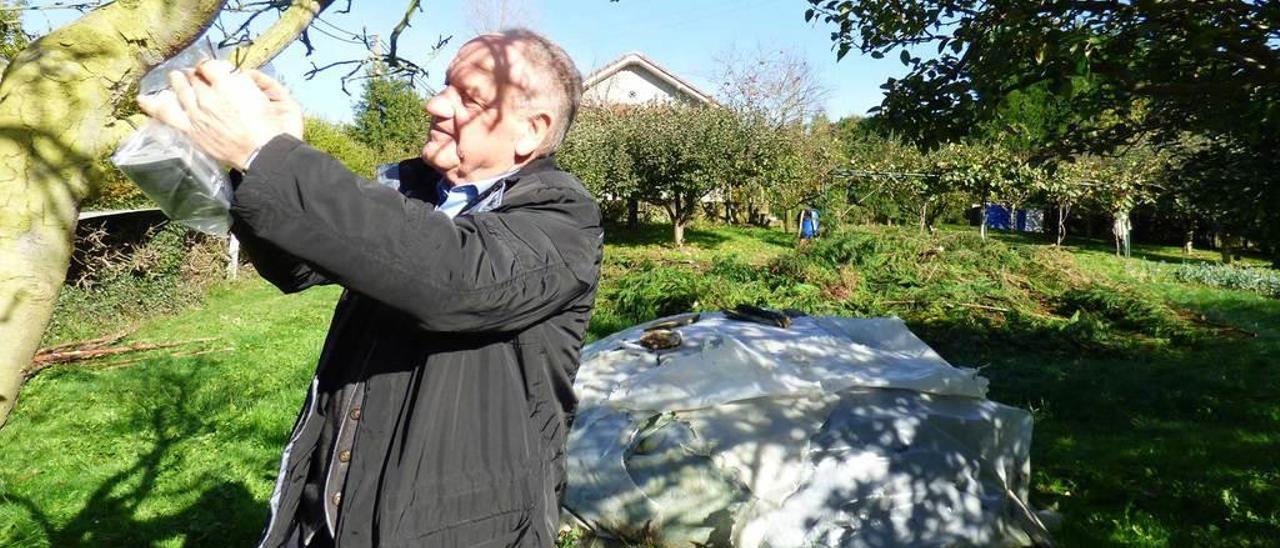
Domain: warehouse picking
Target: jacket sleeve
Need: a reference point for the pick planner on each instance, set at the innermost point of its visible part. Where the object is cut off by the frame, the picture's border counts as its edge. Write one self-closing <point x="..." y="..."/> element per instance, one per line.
<point x="287" y="272"/>
<point x="493" y="271"/>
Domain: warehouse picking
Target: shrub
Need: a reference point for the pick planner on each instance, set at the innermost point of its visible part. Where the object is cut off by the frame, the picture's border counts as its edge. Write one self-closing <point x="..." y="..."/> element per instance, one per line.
<point x="113" y="284"/>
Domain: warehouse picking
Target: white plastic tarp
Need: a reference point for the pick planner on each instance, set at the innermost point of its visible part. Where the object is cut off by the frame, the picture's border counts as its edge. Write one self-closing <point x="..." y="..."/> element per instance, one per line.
<point x="832" y="432"/>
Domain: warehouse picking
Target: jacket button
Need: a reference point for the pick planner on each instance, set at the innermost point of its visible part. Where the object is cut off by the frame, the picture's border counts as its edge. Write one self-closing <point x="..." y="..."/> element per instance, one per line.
<point x="344" y="456"/>
<point x="337" y="499"/>
<point x="355" y="414"/>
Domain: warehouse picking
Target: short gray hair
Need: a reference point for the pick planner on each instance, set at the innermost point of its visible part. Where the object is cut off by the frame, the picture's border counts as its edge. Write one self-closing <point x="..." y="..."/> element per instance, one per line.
<point x="555" y="78"/>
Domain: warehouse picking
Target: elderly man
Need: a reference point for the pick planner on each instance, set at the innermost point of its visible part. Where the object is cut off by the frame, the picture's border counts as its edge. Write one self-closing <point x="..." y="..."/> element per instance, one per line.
<point x="444" y="391"/>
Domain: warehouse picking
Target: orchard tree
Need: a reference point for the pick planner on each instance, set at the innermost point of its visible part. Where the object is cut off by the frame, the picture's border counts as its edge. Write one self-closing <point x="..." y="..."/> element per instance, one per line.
<point x="680" y="154"/>
<point x="983" y="172"/>
<point x="805" y="161"/>
<point x="67" y="99"/>
<point x="1091" y="77"/>
<point x="1065" y="187"/>
<point x="1118" y="184"/>
<point x="898" y="180"/>
<point x="596" y="151"/>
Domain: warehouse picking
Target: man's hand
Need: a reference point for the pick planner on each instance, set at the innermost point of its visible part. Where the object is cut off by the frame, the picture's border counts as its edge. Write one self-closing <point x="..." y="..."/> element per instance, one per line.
<point x="227" y="115"/>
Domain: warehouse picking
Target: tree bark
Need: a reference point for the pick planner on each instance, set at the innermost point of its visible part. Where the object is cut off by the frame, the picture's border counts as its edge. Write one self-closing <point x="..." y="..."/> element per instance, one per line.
<point x="1064" y="209"/>
<point x="677" y="220"/>
<point x="65" y="101"/>
<point x="982" y="221"/>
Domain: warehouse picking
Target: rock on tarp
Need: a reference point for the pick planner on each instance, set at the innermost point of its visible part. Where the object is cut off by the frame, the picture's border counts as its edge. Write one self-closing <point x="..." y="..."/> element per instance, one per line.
<point x="832" y="432"/>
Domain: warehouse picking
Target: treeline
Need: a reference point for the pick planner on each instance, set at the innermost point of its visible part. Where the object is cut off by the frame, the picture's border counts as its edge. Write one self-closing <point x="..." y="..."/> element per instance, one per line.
<point x="741" y="164"/>
<point x="690" y="160"/>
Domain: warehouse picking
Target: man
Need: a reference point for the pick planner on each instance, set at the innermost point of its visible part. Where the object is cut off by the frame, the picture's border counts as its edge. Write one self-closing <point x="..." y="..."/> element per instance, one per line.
<point x="444" y="392"/>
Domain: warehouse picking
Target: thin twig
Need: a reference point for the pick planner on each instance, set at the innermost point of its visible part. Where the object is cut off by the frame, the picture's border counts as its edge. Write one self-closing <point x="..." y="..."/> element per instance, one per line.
<point x="82" y="345"/>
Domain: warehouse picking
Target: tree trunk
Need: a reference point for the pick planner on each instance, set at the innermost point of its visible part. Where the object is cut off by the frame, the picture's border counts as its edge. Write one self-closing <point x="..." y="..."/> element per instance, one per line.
<point x="1063" y="211"/>
<point x="982" y="221"/>
<point x="1188" y="242"/>
<point x="64" y="102"/>
<point x="677" y="219"/>
<point x="1228" y="248"/>
<point x="633" y="213"/>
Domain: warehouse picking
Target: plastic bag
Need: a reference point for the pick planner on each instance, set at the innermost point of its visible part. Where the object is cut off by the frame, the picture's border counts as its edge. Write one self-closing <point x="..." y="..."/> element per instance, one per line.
<point x="189" y="186"/>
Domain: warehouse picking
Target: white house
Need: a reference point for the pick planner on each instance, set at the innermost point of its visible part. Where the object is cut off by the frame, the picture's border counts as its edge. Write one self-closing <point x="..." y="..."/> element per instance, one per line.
<point x="635" y="79"/>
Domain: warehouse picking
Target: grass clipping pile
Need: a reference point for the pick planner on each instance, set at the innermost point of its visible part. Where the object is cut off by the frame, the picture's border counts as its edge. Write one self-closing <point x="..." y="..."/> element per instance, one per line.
<point x="954" y="289"/>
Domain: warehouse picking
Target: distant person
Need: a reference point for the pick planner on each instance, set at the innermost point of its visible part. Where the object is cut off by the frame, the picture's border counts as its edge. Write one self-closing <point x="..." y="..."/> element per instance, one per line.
<point x="443" y="398"/>
<point x="808" y="224"/>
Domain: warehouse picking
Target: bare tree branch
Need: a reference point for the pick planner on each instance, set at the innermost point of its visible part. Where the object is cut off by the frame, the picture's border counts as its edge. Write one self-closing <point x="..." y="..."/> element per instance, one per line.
<point x="271" y="42"/>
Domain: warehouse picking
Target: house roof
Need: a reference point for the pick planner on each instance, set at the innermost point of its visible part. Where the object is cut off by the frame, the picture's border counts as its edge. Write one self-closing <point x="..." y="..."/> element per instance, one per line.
<point x="638" y="59"/>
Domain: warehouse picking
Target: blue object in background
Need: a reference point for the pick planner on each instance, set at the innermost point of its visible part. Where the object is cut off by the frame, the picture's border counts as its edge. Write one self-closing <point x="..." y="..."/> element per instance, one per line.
<point x="809" y="224"/>
<point x="998" y="217"/>
<point x="1023" y="220"/>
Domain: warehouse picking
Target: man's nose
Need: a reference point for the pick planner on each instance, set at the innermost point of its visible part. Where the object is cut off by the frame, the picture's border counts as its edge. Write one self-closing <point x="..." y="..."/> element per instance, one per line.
<point x="439" y="106"/>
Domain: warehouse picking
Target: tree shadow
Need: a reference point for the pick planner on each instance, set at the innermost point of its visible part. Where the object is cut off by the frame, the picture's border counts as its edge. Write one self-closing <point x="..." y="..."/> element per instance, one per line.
<point x="659" y="235"/>
<point x="225" y="514"/>
<point x="1150" y="252"/>
<point x="1151" y="446"/>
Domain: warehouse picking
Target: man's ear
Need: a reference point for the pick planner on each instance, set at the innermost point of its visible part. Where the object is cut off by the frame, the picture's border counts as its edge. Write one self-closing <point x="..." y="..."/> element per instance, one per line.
<point x="536" y="129"/>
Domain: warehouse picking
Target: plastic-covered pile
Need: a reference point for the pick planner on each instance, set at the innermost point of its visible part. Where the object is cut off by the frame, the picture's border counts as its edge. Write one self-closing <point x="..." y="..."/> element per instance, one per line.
<point x="831" y="432"/>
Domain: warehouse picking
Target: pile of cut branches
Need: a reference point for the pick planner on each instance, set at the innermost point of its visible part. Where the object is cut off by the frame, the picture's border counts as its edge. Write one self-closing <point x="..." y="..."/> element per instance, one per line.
<point x="107" y="346"/>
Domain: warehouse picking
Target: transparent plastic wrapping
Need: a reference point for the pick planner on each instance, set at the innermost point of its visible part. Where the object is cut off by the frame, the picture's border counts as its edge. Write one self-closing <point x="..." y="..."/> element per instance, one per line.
<point x="189" y="186"/>
<point x="835" y="431"/>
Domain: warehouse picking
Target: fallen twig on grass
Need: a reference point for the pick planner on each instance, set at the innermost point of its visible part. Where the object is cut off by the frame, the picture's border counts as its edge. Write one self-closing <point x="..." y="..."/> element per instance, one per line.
<point x="1200" y="318"/>
<point x="82" y="345"/>
<point x="93" y="349"/>
<point x="131" y="361"/>
<point x="982" y="307"/>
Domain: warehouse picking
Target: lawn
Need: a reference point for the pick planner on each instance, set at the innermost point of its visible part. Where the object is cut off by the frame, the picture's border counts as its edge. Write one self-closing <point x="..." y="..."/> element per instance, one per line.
<point x="1153" y="443"/>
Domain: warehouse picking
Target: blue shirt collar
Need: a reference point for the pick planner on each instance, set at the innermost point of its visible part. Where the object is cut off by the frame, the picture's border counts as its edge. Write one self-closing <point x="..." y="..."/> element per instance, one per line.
<point x="455" y="198"/>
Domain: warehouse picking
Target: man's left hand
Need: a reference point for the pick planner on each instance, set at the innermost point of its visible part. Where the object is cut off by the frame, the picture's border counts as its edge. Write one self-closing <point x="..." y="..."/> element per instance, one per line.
<point x="225" y="114"/>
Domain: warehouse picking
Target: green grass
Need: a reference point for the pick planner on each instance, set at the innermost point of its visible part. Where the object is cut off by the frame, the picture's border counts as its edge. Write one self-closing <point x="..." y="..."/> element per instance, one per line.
<point x="1156" y="416"/>
<point x="172" y="450"/>
<point x="1158" y="446"/>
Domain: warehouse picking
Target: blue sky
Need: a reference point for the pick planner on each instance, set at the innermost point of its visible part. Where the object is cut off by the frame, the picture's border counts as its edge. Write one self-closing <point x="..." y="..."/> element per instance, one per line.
<point x="685" y="36"/>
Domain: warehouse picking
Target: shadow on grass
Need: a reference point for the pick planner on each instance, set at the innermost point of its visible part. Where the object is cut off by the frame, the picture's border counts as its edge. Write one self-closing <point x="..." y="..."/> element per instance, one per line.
<point x="225" y="514"/>
<point x="659" y="235"/>
<point x="1168" y="447"/>
<point x="1096" y="246"/>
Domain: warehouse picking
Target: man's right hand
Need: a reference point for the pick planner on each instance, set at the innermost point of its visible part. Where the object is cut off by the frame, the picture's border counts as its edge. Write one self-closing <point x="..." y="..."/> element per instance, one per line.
<point x="201" y="103"/>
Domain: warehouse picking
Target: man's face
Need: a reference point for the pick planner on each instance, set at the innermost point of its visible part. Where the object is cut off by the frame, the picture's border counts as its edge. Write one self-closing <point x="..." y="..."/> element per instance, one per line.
<point x="476" y="118"/>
